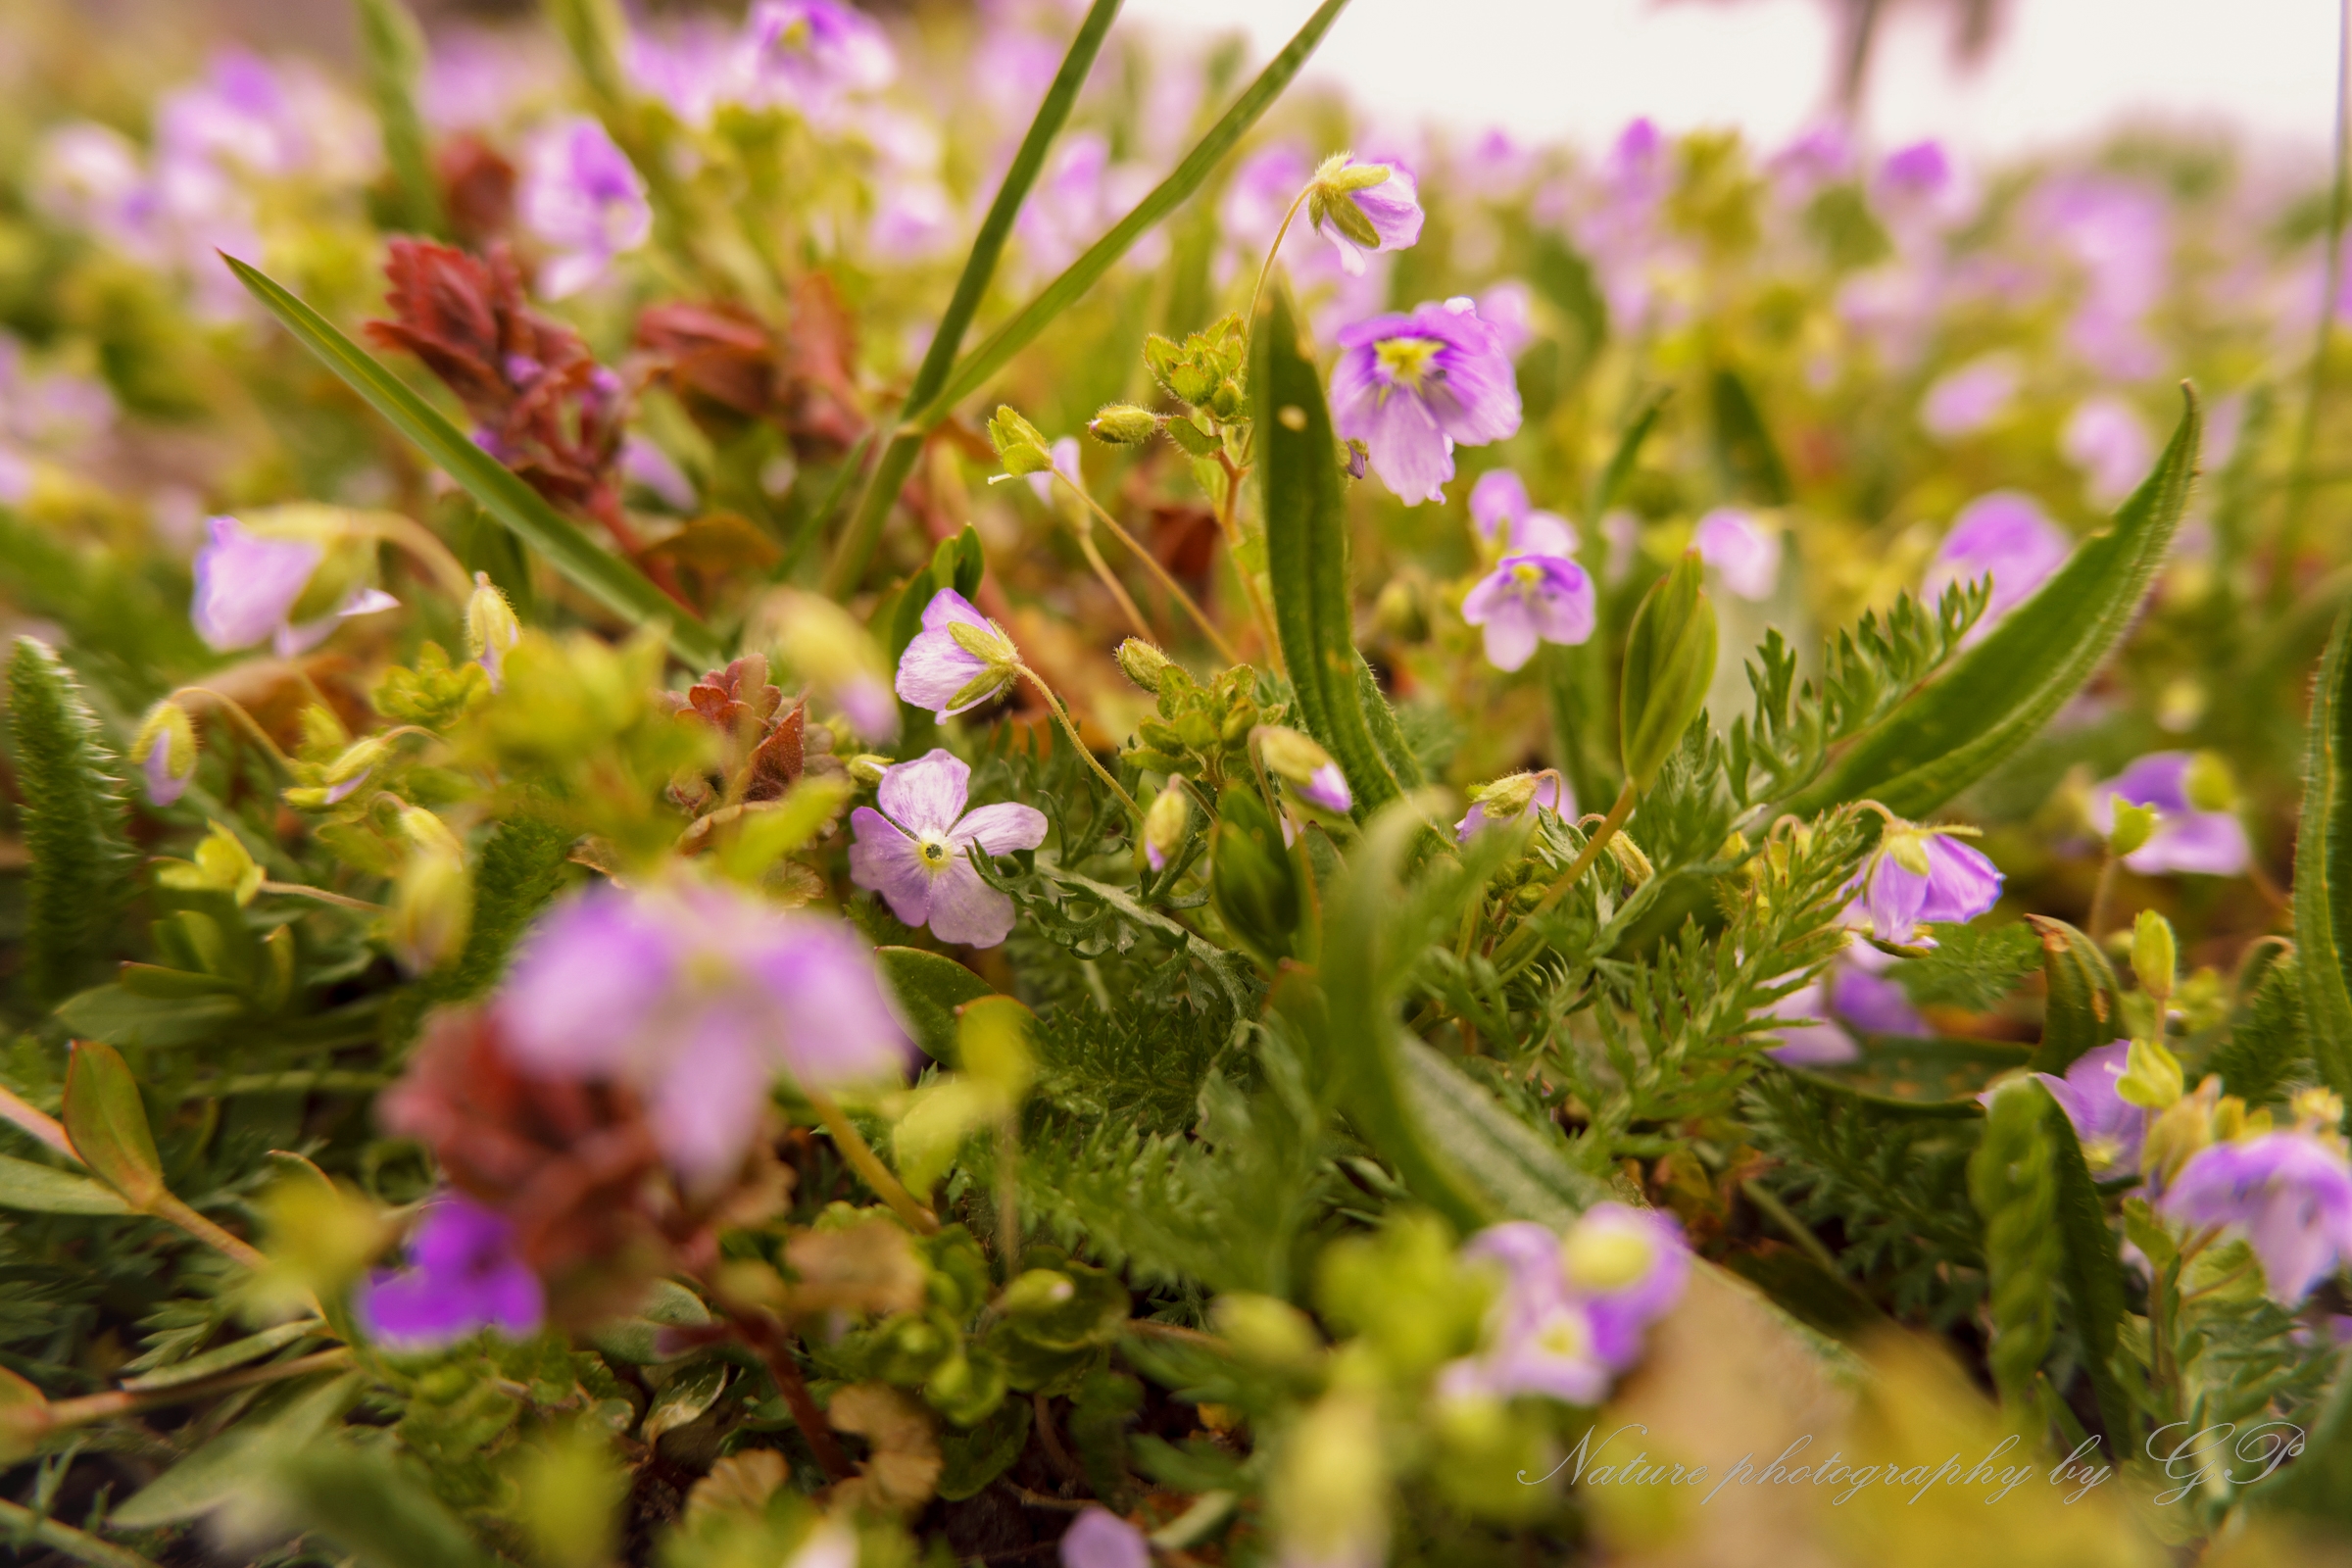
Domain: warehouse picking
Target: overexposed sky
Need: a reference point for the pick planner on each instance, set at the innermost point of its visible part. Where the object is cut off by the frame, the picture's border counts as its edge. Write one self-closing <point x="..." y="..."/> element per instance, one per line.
<point x="1581" y="69"/>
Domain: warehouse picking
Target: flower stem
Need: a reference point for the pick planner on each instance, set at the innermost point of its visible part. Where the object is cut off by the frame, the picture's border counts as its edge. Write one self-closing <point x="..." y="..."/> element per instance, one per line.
<point x="1070" y="729"/>
<point x="422" y="546"/>
<point x="1584" y="857"/>
<point x="1118" y="590"/>
<point x="1228" y="523"/>
<point x="340" y="900"/>
<point x="78" y="1544"/>
<point x="244" y="720"/>
<point x="868" y="1165"/>
<point x="92" y="1408"/>
<point x="766" y="1335"/>
<point x="172" y="1210"/>
<point x="2100" y="894"/>
<point x="1258" y="292"/>
<point x="1151" y="564"/>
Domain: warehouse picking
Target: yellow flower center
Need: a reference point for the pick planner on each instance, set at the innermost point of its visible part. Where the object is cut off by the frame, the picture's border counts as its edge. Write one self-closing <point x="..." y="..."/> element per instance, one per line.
<point x="1564" y="1336"/>
<point x="1527" y="574"/>
<point x="934" y="851"/>
<point x="1405" y="358"/>
<point x="1596" y="1259"/>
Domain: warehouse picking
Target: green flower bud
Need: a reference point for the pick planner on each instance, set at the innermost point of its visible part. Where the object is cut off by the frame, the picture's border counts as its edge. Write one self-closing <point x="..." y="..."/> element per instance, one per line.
<point x="1268" y="1332"/>
<point x="432" y="902"/>
<point x="1506" y="797"/>
<point x="1166" y="823"/>
<point x="2151" y="1076"/>
<point x="1143" y="664"/>
<point x="1330" y="1485"/>
<point x="1020" y="446"/>
<point x="2134" y="826"/>
<point x="165" y="751"/>
<point x="867" y="767"/>
<point x="2154" y="957"/>
<point x="223" y="864"/>
<point x="490" y="627"/>
<point x="1040" y="1289"/>
<point x="1669" y="662"/>
<point x="1314" y="779"/>
<point x="2208" y="784"/>
<point x="1123" y="424"/>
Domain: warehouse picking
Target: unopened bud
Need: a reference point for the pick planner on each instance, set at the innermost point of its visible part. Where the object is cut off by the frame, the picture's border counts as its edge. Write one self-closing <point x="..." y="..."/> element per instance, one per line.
<point x="1314" y="778"/>
<point x="432" y="903"/>
<point x="1632" y="863"/>
<point x="2181" y="1128"/>
<point x="1506" y="797"/>
<point x="2151" y="1077"/>
<point x="2134" y="826"/>
<point x="1268" y="1332"/>
<point x="1143" y="664"/>
<point x="165" y="751"/>
<point x="1123" y="424"/>
<point x="490" y="628"/>
<point x="1669" y="662"/>
<point x="1037" y="1292"/>
<point x="2208" y="785"/>
<point x="1020" y="446"/>
<point x="867" y="767"/>
<point x="2153" y="957"/>
<point x="1165" y="824"/>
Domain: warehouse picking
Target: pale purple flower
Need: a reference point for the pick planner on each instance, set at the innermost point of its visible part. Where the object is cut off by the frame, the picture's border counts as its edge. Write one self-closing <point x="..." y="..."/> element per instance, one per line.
<point x="1959" y="885"/>
<point x="807" y="54"/>
<point x="247" y="585"/>
<point x="913" y="852"/>
<point x="2106" y="438"/>
<point x="1811" y="1037"/>
<point x="1628" y="1266"/>
<point x="1964" y="400"/>
<point x="691" y="70"/>
<point x="240" y="115"/>
<point x="1100" y="1539"/>
<point x="1411" y="386"/>
<point x="2004" y="536"/>
<point x="698" y="997"/>
<point x="2118" y="235"/>
<point x="92" y="178"/>
<point x="647" y="465"/>
<point x="1863" y="994"/>
<point x="1326" y="790"/>
<point x="463" y="1275"/>
<point x="1816" y="159"/>
<point x="476" y="77"/>
<point x="1081" y="195"/>
<point x="1573" y="1308"/>
<point x="1747" y="555"/>
<point x="1508" y="306"/>
<point x="1551" y="794"/>
<point x="915" y="218"/>
<point x="1493" y="167"/>
<point x="1621" y="532"/>
<point x="1506" y="518"/>
<point x="1920" y="171"/>
<point x="1394" y="210"/>
<point x="1529" y="600"/>
<point x="163" y="785"/>
<point x="1064" y="453"/>
<point x="870" y="705"/>
<point x="581" y="197"/>
<point x="2109" y="1127"/>
<point x="2288" y="1192"/>
<point x="936" y="668"/>
<point x="2187" y="838"/>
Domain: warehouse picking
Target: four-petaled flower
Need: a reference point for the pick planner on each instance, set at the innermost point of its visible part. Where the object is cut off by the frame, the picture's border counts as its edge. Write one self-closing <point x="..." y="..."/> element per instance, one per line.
<point x="959" y="659"/>
<point x="1364" y="207"/>
<point x="1503" y="515"/>
<point x="1920" y="876"/>
<point x="2289" y="1192"/>
<point x="914" y="851"/>
<point x="1573" y="1307"/>
<point x="2189" y="836"/>
<point x="1527" y="600"/>
<point x="2109" y="1127"/>
<point x="1410" y="386"/>
<point x="247" y="585"/>
<point x="463" y="1275"/>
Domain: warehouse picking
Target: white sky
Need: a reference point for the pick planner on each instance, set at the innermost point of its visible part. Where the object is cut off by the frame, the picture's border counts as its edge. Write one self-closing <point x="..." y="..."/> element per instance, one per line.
<point x="1581" y="69"/>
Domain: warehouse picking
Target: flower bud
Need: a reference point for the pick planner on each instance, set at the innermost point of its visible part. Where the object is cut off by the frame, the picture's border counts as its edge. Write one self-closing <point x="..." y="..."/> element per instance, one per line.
<point x="1632" y="863"/>
<point x="1669" y="662"/>
<point x="2177" y="1132"/>
<point x="490" y="627"/>
<point x="1020" y="446"/>
<point x="1506" y="797"/>
<point x="867" y="767"/>
<point x="1314" y="778"/>
<point x="1268" y="1332"/>
<point x="2134" y="826"/>
<point x="432" y="900"/>
<point x="2153" y="957"/>
<point x="1037" y="1292"/>
<point x="1143" y="664"/>
<point x="2152" y="1077"/>
<point x="221" y="864"/>
<point x="165" y="751"/>
<point x="1330" y="1484"/>
<point x="2208" y="784"/>
<point x="1123" y="424"/>
<point x="1165" y="825"/>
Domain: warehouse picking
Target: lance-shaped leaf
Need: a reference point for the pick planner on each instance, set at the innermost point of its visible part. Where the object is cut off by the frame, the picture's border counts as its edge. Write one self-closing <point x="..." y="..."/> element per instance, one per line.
<point x="392" y="47"/>
<point x="107" y="1122"/>
<point x="2081" y="1012"/>
<point x="72" y="820"/>
<point x="2323" y="867"/>
<point x="1306" y="549"/>
<point x="1993" y="699"/>
<point x="928" y="988"/>
<point x="46" y="1190"/>
<point x="603" y="575"/>
<point x="2093" y="1271"/>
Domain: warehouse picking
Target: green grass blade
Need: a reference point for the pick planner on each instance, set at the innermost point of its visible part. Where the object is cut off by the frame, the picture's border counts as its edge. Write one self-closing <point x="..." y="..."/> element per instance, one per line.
<point x="1993" y="697"/>
<point x="1306" y="549"/>
<point x="858" y="542"/>
<point x="604" y="577"/>
<point x="2093" y="1271"/>
<point x="2323" y="868"/>
<point x="392" y="49"/>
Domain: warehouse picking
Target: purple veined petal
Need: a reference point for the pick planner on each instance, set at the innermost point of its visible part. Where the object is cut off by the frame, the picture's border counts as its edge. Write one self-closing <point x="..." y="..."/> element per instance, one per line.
<point x="2005" y="536"/>
<point x="926" y="795"/>
<point x="1817" y="1043"/>
<point x="1962" y="881"/>
<point x="1544" y="533"/>
<point x="2110" y="1128"/>
<point x="588" y="980"/>
<point x="947" y="607"/>
<point x="1747" y="557"/>
<point x="1412" y="455"/>
<point x="885" y="861"/>
<point x="1497" y="500"/>
<point x="1001" y="829"/>
<point x="246" y="584"/>
<point x="1509" y="638"/>
<point x="965" y="908"/>
<point x="163" y="788"/>
<point x="2207" y="843"/>
<point x="2289" y="1194"/>
<point x="2159" y="779"/>
<point x="934" y="669"/>
<point x="840" y="1026"/>
<point x="1100" y="1539"/>
<point x="1895" y="896"/>
<point x="711" y="1087"/>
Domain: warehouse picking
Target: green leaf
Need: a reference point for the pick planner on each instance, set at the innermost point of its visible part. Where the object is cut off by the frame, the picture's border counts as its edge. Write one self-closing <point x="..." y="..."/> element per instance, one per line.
<point x="359" y="1500"/>
<point x="1305" y="509"/>
<point x="224" y="1468"/>
<point x="975" y="1459"/>
<point x="881" y="493"/>
<point x="522" y="868"/>
<point x="1972" y="966"/>
<point x="1993" y="697"/>
<point x="1746" y="458"/>
<point x="392" y="49"/>
<point x="72" y="820"/>
<point x="125" y="1018"/>
<point x="2323" y="867"/>
<point x="2269" y="1044"/>
<point x="1925" y="1077"/>
<point x="2093" y="1271"/>
<point x="692" y="1390"/>
<point x="603" y="575"/>
<point x="107" y="1122"/>
<point x="46" y="1190"/>
<point x="2014" y="1189"/>
<point x="1521" y="1172"/>
<point x="929" y="987"/>
<point x="2081" y="1012"/>
<point x="637" y="1340"/>
<point x="233" y="1354"/>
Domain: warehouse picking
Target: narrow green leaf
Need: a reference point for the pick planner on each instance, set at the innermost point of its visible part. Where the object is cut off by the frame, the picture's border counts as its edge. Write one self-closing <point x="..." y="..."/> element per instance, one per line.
<point x="72" y="821"/>
<point x="1993" y="699"/>
<point x="228" y="1356"/>
<point x="1305" y="508"/>
<point x="1627" y="453"/>
<point x="2080" y="1013"/>
<point x="857" y="546"/>
<point x="604" y="577"/>
<point x="392" y="49"/>
<point x="107" y="1122"/>
<point x="2093" y="1271"/>
<point x="929" y="987"/>
<point x="223" y="1468"/>
<point x="362" y="1500"/>
<point x="2323" y="867"/>
<point x="46" y="1190"/>
<point x="1523" y="1174"/>
<point x="1387" y="736"/>
<point x="120" y="1017"/>
<point x="1746" y="457"/>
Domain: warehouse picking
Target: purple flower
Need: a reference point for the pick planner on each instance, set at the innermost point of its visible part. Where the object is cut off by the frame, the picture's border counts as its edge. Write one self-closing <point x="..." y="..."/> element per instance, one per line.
<point x="1573" y="1308"/>
<point x="461" y="1277"/>
<point x="2186" y="839"/>
<point x="1864" y="997"/>
<point x="1916" y="171"/>
<point x="1358" y="218"/>
<point x="2107" y="440"/>
<point x="1919" y="877"/>
<point x="1508" y="306"/>
<point x="1411" y="386"/>
<point x="1504" y="516"/>
<point x="689" y="71"/>
<point x="1100" y="1539"/>
<point x="698" y="997"/>
<point x="247" y="585"/>
<point x="2289" y="1192"/>
<point x="1064" y="453"/>
<point x="1747" y="557"/>
<point x="1326" y="790"/>
<point x="1964" y="400"/>
<point x="1628" y="1266"/>
<point x="1811" y="1039"/>
<point x="1527" y="600"/>
<point x="163" y="785"/>
<point x="913" y="852"/>
<point x="2109" y="1127"/>
<point x="2006" y="537"/>
<point x="647" y="465"/>
<point x="807" y="54"/>
<point x="1549" y="792"/>
<point x="581" y="195"/>
<point x="2118" y="235"/>
<point x="940" y="670"/>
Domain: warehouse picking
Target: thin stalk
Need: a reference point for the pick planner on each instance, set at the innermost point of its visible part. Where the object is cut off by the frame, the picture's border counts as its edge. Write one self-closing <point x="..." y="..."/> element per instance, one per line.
<point x="63" y="1413"/>
<point x="2307" y="438"/>
<point x="48" y="1129"/>
<point x="75" y="1544"/>
<point x="172" y="1210"/>
<point x="1258" y="290"/>
<point x="1584" y="857"/>
<point x="1228" y="523"/>
<point x="868" y="1165"/>
<point x="2094" y="925"/>
<point x="1796" y="1230"/>
<point x="296" y="889"/>
<point x="1110" y="580"/>
<point x="1151" y="564"/>
<point x="244" y="720"/>
<point x="1070" y="729"/>
<point x="767" y="1336"/>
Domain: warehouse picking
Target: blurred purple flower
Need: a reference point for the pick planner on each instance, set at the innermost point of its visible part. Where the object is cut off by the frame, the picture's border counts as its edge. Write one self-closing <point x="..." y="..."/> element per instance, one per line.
<point x="2110" y="1128"/>
<point x="1551" y="794"/>
<point x="1494" y="166"/>
<point x="1064" y="453"/>
<point x="1957" y="884"/>
<point x="1411" y="386"/>
<point x="1920" y="172"/>
<point x="914" y="856"/>
<point x="2106" y="438"/>
<point x="915" y="218"/>
<point x="1528" y="600"/>
<point x="1326" y="790"/>
<point x="647" y="465"/>
<point x="1573" y="1308"/>
<point x="1963" y="401"/>
<point x="1508" y="308"/>
<point x="1743" y="553"/>
<point x="691" y="70"/>
<point x="698" y="997"/>
<point x="1863" y="996"/>
<point x="463" y="1275"/>
<point x="1812" y="1038"/>
<point x="1392" y="208"/>
<point x="2004" y="536"/>
<point x="936" y="668"/>
<point x="1100" y="1539"/>
<point x="807" y="54"/>
<point x="163" y="785"/>
<point x="1819" y="157"/>
<point x="2210" y="843"/>
<point x="2118" y="235"/>
<point x="247" y="585"/>
<point x="1081" y="194"/>
<point x="581" y="196"/>
<point x="1505" y="519"/>
<point x="1628" y="1266"/>
<point x="2291" y="1192"/>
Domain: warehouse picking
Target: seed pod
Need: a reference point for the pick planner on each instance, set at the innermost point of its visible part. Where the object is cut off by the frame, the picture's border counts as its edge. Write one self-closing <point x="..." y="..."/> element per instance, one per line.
<point x="1123" y="424"/>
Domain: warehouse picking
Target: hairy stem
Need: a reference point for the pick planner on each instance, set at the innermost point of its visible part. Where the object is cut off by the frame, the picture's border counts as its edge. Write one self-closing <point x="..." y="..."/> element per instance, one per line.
<point x="868" y="1165"/>
<point x="81" y="1546"/>
<point x="296" y="889"/>
<point x="1164" y="577"/>
<point x="1070" y="728"/>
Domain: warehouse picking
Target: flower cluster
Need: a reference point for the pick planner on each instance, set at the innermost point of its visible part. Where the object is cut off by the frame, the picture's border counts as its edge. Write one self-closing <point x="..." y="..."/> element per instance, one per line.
<point x="1574" y="1308"/>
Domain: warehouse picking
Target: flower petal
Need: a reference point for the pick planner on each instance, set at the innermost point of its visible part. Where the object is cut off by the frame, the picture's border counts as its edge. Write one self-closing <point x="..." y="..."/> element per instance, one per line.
<point x="886" y="862"/>
<point x="1001" y="828"/>
<point x="926" y="795"/>
<point x="965" y="908"/>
